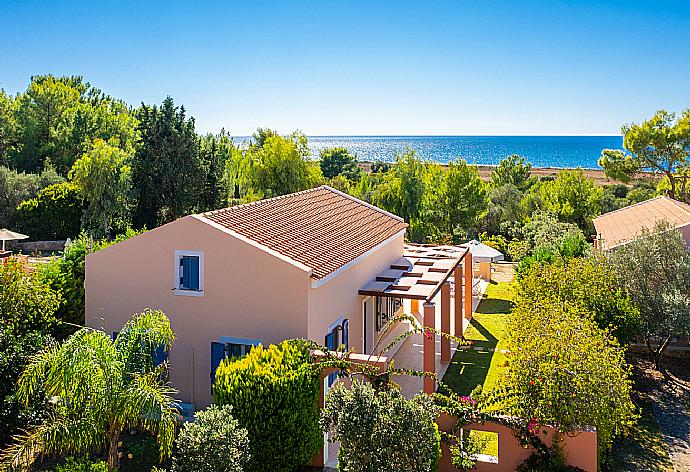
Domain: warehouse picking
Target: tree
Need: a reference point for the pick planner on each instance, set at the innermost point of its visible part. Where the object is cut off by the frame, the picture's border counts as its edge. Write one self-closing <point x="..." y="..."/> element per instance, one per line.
<point x="655" y="270"/>
<point x="545" y="230"/>
<point x="54" y="214"/>
<point x="513" y="170"/>
<point x="40" y="113"/>
<point x="16" y="187"/>
<point x="463" y="198"/>
<point x="214" y="442"/>
<point x="8" y="127"/>
<point x="103" y="176"/>
<point x="566" y="372"/>
<point x="280" y="166"/>
<point x="102" y="387"/>
<point x="402" y="190"/>
<point x="574" y="197"/>
<point x="214" y="152"/>
<point x="26" y="301"/>
<point x="591" y="283"/>
<point x="381" y="431"/>
<point x="100" y="117"/>
<point x="660" y="144"/>
<point x="338" y="160"/>
<point x="505" y="210"/>
<point x="166" y="171"/>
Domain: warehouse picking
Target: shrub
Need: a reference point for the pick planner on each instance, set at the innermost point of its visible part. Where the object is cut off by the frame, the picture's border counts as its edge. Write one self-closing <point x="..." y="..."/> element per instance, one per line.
<point x="73" y="464"/>
<point x="565" y="371"/>
<point x="53" y="215"/>
<point x="382" y="431"/>
<point x="15" y="187"/>
<point x="274" y="394"/>
<point x="15" y="353"/>
<point x="592" y="283"/>
<point x="213" y="442"/>
<point x="27" y="302"/>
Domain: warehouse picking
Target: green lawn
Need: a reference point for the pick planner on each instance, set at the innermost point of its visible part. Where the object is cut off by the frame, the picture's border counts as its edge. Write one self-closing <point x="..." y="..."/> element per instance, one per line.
<point x="471" y="368"/>
<point x="643" y="450"/>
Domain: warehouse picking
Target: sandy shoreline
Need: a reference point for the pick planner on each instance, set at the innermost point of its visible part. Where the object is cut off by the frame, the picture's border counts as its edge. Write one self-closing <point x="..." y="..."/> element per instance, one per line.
<point x="540" y="172"/>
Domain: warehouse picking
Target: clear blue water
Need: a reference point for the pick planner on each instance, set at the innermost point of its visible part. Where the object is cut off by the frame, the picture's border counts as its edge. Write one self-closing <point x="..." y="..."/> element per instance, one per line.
<point x="541" y="151"/>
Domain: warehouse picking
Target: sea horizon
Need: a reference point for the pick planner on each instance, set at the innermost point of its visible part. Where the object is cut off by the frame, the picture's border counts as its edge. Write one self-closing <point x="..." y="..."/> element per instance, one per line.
<point x="546" y="151"/>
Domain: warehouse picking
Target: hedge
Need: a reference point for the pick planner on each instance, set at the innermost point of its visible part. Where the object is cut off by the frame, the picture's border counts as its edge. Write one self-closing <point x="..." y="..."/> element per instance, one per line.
<point x="55" y="214"/>
<point x="274" y="394"/>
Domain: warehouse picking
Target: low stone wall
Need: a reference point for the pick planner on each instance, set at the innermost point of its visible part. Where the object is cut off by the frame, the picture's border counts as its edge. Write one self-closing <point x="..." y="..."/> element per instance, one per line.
<point x="29" y="247"/>
<point x="580" y="448"/>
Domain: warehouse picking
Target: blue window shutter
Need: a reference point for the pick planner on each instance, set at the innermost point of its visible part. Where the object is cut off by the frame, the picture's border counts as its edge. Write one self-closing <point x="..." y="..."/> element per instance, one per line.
<point x="160" y="355"/>
<point x="182" y="272"/>
<point x="217" y="356"/>
<point x="115" y="333"/>
<point x="194" y="273"/>
<point x="346" y="333"/>
<point x="330" y="345"/>
<point x="330" y="341"/>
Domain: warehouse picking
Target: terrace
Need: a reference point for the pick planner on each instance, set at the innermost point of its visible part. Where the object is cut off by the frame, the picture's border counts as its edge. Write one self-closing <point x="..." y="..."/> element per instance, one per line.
<point x="441" y="277"/>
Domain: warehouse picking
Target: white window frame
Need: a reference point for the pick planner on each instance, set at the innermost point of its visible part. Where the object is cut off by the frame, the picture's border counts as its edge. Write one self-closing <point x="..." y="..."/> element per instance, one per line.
<point x="176" y="274"/>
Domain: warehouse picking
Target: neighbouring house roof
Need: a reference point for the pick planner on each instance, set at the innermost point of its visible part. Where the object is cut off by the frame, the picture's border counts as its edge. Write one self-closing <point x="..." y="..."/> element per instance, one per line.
<point x="419" y="274"/>
<point x="620" y="226"/>
<point x="321" y="228"/>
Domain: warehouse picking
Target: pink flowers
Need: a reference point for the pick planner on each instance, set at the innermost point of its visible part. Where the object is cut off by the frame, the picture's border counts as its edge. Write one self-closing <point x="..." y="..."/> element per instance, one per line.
<point x="533" y="426"/>
<point x="468" y="401"/>
<point x="428" y="334"/>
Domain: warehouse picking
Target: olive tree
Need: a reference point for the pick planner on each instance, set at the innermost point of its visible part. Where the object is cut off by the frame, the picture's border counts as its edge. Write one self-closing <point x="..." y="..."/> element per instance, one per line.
<point x="214" y="442"/>
<point x="655" y="270"/>
<point x="381" y="431"/>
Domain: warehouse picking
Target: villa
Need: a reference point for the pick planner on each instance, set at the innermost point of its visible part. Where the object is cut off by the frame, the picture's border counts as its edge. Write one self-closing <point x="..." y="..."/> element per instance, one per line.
<point x="621" y="226"/>
<point x="317" y="264"/>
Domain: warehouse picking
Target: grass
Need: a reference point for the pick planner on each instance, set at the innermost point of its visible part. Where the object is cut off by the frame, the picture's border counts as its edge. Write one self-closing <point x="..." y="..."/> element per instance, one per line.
<point x="643" y="450"/>
<point x="471" y="368"/>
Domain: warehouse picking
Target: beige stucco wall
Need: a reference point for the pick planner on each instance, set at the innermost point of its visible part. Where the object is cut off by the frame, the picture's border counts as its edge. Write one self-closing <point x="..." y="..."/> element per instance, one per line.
<point x="248" y="293"/>
<point x="338" y="297"/>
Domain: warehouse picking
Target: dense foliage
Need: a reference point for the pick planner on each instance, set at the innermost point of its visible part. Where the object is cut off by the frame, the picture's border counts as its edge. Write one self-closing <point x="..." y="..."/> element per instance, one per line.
<point x="274" y="392"/>
<point x="54" y="214"/>
<point x="591" y="283"/>
<point x="214" y="442"/>
<point x="15" y="187"/>
<point x="26" y="301"/>
<point x="338" y="161"/>
<point x="565" y="371"/>
<point x="655" y="270"/>
<point x="16" y="349"/>
<point x="100" y="387"/>
<point x="381" y="431"/>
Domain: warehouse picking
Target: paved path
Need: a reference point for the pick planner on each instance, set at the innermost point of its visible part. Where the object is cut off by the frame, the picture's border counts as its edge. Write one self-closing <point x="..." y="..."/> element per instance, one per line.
<point x="671" y="412"/>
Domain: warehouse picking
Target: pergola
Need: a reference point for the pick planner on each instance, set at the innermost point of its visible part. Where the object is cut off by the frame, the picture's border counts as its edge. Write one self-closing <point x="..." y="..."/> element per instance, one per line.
<point x="423" y="272"/>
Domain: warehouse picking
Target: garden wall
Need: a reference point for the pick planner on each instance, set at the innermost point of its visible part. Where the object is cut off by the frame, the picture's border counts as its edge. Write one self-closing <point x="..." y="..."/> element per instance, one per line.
<point x="580" y="449"/>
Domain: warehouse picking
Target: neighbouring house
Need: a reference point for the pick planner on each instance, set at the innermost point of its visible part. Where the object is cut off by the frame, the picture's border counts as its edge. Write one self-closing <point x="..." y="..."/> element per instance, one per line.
<point x="621" y="226"/>
<point x="317" y="264"/>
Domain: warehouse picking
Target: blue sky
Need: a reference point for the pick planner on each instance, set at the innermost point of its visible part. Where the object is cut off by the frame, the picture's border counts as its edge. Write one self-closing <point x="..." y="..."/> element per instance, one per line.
<point x="370" y="67"/>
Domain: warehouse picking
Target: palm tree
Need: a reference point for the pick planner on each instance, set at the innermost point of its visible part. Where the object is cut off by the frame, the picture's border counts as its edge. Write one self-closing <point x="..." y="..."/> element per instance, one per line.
<point x="99" y="387"/>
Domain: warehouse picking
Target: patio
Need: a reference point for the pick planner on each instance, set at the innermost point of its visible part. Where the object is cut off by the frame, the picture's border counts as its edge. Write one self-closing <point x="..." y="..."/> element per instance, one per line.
<point x="410" y="355"/>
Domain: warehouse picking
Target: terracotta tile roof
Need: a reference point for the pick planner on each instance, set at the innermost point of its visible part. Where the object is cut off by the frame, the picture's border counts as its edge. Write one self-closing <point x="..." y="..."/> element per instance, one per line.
<point x="620" y="226"/>
<point x="321" y="228"/>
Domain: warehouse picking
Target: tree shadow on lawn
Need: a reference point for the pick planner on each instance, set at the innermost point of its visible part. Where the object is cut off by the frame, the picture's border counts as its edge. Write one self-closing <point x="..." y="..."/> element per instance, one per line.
<point x="469" y="367"/>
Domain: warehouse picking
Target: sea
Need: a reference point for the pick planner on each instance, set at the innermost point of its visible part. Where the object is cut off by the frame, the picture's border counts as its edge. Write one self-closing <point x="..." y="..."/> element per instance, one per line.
<point x="540" y="151"/>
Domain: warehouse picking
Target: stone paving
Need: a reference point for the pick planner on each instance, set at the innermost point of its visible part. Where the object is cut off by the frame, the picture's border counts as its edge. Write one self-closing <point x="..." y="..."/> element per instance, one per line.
<point x="411" y="354"/>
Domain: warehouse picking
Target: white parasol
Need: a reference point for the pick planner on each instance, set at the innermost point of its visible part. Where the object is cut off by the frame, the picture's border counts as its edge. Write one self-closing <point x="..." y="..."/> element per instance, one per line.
<point x="7" y="235"/>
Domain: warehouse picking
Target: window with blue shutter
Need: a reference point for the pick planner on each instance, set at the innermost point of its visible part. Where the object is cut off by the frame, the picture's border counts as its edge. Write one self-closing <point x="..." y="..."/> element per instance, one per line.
<point x="331" y="340"/>
<point x="189" y="272"/>
<point x="218" y="352"/>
